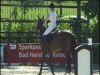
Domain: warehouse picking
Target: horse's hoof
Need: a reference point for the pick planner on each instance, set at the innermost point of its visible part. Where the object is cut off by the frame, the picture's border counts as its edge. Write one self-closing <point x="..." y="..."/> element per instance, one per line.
<point x="39" y="74"/>
<point x="53" y="74"/>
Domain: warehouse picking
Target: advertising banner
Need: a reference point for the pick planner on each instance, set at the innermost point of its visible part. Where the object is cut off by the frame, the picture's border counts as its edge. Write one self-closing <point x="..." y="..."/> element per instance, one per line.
<point x="30" y="53"/>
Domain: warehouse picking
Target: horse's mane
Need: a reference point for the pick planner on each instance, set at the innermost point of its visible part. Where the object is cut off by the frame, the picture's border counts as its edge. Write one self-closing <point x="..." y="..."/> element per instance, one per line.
<point x="42" y="30"/>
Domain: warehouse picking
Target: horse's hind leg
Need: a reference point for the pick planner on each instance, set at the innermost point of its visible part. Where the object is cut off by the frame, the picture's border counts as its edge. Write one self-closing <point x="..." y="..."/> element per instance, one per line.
<point x="42" y="62"/>
<point x="68" y="67"/>
<point x="41" y="68"/>
<point x="50" y="63"/>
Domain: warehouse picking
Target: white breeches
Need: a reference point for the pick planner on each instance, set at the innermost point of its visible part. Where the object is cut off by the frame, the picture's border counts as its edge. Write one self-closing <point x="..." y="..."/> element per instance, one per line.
<point x="49" y="29"/>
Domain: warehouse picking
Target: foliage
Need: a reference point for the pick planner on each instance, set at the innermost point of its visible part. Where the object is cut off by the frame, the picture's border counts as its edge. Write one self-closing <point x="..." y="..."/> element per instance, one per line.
<point x="24" y="10"/>
<point x="91" y="10"/>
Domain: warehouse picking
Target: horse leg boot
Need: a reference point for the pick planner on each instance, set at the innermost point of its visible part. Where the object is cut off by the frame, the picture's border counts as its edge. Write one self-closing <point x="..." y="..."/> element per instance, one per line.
<point x="42" y="62"/>
<point x="50" y="63"/>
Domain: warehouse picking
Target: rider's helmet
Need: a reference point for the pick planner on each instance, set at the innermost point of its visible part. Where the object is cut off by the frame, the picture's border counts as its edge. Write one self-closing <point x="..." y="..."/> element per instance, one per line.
<point x="52" y="5"/>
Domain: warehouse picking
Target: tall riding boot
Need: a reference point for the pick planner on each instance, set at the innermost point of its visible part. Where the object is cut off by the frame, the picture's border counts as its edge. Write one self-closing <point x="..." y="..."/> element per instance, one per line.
<point x="46" y="42"/>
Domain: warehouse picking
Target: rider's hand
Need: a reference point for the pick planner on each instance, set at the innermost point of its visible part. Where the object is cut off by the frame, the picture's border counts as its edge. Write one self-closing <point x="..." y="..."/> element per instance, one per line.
<point x="44" y="23"/>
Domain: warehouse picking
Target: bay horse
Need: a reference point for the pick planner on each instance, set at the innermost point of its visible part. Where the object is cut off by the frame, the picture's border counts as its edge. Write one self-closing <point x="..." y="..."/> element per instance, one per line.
<point x="61" y="40"/>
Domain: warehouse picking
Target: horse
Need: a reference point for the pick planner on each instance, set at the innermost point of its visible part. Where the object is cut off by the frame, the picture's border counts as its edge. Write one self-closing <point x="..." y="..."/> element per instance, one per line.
<point x="61" y="41"/>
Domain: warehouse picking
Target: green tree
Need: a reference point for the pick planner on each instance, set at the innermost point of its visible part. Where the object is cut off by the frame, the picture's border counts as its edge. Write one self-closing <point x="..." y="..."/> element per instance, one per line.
<point x="91" y="10"/>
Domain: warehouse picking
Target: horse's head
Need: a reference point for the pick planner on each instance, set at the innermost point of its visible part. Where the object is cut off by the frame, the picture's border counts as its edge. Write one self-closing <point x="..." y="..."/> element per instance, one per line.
<point x="40" y="23"/>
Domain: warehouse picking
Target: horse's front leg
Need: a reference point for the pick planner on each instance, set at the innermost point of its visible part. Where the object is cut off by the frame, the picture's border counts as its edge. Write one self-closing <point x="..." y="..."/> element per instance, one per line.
<point x="42" y="62"/>
<point x="51" y="64"/>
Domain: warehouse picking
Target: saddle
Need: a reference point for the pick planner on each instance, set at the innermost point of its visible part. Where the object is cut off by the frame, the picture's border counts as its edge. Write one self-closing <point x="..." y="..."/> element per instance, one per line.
<point x="51" y="35"/>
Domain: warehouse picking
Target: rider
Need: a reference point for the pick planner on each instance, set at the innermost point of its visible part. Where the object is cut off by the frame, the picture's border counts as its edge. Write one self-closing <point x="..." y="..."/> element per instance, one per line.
<point x="52" y="17"/>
